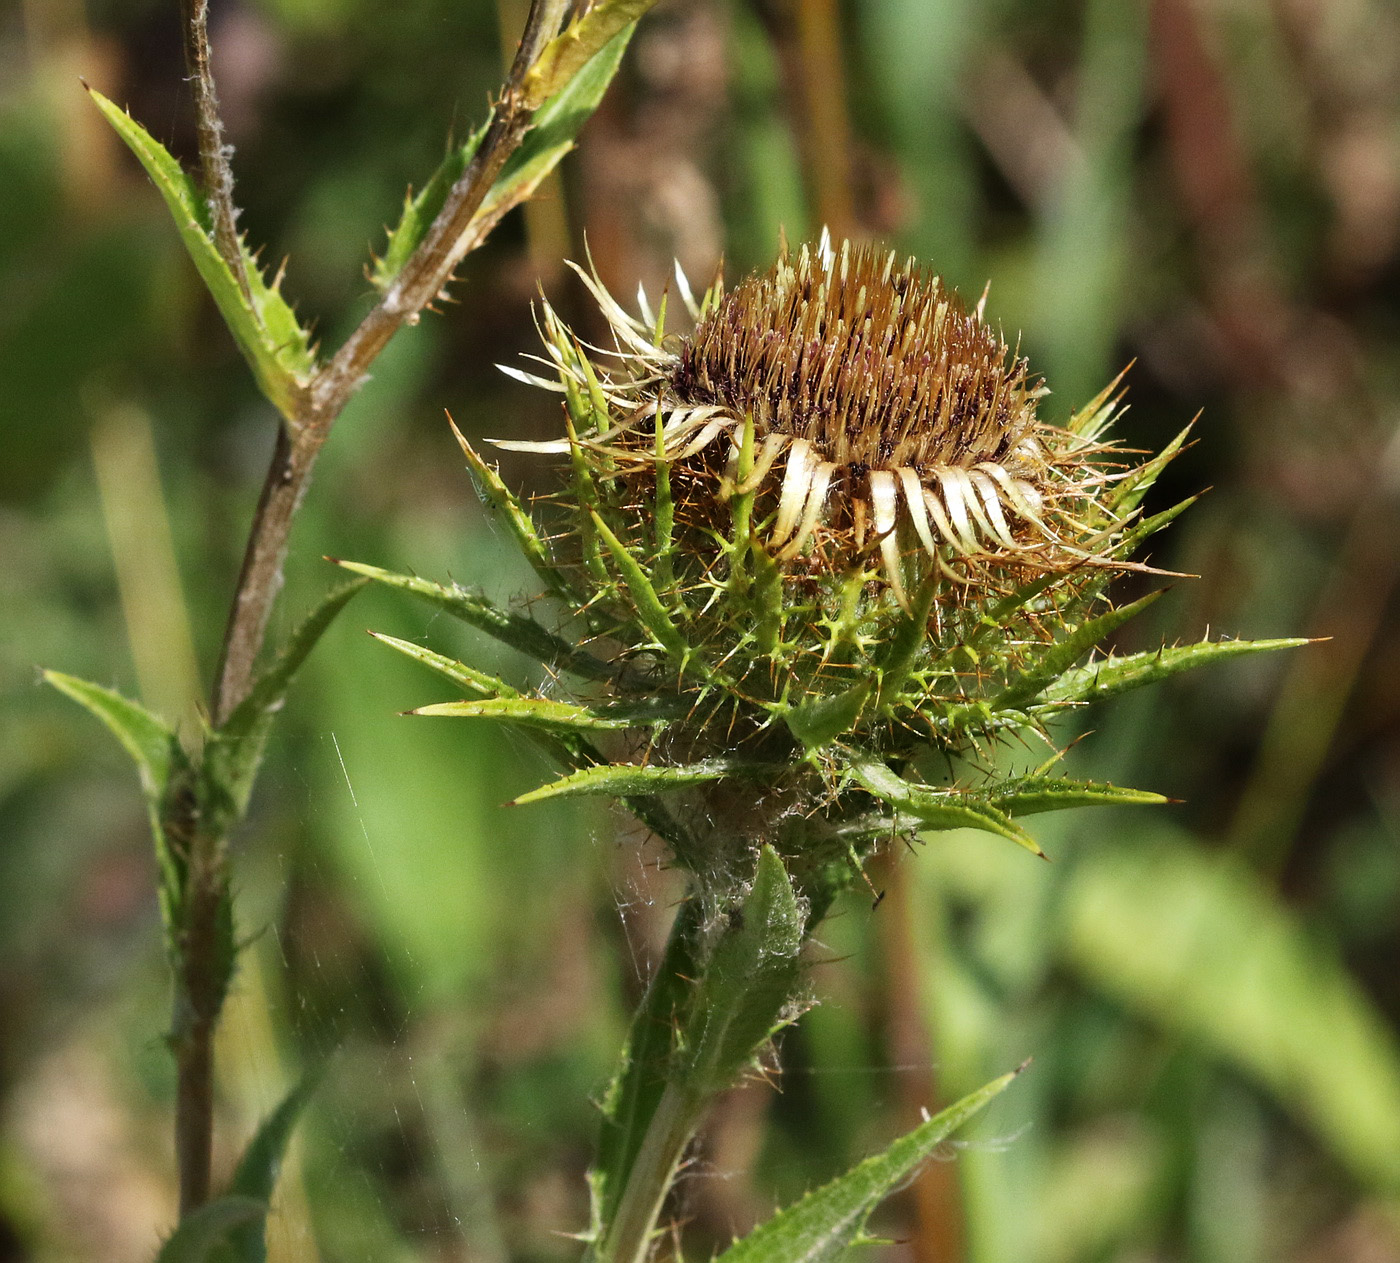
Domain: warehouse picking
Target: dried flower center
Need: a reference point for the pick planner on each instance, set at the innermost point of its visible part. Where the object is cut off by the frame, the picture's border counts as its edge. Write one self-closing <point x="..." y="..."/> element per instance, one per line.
<point x="876" y="366"/>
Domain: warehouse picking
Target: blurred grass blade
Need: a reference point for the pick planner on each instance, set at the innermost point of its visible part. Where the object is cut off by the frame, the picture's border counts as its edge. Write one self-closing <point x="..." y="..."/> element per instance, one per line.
<point x="1202" y="948"/>
<point x="277" y="348"/>
<point x="620" y="779"/>
<point x="260" y="1165"/>
<point x="1112" y="675"/>
<point x="206" y="1235"/>
<point x="1065" y="653"/>
<point x="825" y="1223"/>
<point x="938" y="809"/>
<point x="1032" y="794"/>
<point x="515" y="630"/>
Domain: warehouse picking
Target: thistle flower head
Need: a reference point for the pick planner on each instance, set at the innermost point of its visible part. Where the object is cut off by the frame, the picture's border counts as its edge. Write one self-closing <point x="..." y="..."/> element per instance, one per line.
<point x="863" y="408"/>
<point x="820" y="532"/>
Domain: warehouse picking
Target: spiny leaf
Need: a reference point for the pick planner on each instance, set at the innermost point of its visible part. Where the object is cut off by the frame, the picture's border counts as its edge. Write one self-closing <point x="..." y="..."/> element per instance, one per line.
<point x="148" y="740"/>
<point x="1112" y="675"/>
<point x="499" y="497"/>
<point x="909" y="638"/>
<point x="825" y="1223"/>
<point x="1065" y="653"/>
<point x="233" y="753"/>
<point x="619" y="779"/>
<point x="1129" y="492"/>
<point x="748" y="983"/>
<point x="652" y="614"/>
<point x="565" y="56"/>
<point x="536" y="712"/>
<point x="458" y="672"/>
<point x="818" y="723"/>
<point x="1134" y="538"/>
<point x="205" y="1235"/>
<point x="515" y="630"/>
<point x="277" y="348"/>
<point x="1031" y="794"/>
<point x="260" y="1165"/>
<point x="556" y="124"/>
<point x="271" y="686"/>
<point x="644" y="1069"/>
<point x="419" y="211"/>
<point x="935" y="809"/>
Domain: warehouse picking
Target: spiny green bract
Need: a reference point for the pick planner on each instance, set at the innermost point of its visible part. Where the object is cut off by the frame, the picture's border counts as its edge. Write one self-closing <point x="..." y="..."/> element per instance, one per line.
<point x="788" y="591"/>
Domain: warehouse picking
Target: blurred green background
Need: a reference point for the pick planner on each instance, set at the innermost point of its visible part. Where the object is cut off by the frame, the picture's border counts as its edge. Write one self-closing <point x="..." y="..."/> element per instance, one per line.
<point x="1207" y="188"/>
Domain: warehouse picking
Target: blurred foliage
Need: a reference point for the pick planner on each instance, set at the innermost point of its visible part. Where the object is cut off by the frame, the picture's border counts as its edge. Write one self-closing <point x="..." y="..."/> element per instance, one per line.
<point x="1210" y="189"/>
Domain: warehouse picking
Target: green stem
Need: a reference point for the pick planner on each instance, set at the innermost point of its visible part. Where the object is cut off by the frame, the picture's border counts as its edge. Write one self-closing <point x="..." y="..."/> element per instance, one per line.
<point x="678" y="1114"/>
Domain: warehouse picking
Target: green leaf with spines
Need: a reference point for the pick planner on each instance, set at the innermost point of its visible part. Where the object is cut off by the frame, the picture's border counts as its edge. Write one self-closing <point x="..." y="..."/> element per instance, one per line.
<point x="644" y="1068"/>
<point x="818" y="723"/>
<point x="164" y="770"/>
<point x="256" y="1174"/>
<point x="149" y="740"/>
<point x="458" y="672"/>
<point x="1130" y="542"/>
<point x="277" y="348"/>
<point x="828" y="1221"/>
<point x="234" y="751"/>
<point x="1112" y="675"/>
<point x="516" y="630"/>
<point x="537" y="712"/>
<point x="420" y="210"/>
<point x="562" y="59"/>
<point x="937" y="809"/>
<point x="206" y="1235"/>
<point x="1063" y="654"/>
<point x="512" y="512"/>
<point x="551" y="136"/>
<point x="1128" y="493"/>
<point x="902" y="651"/>
<point x="653" y="616"/>
<point x="748" y="984"/>
<point x="1027" y="795"/>
<point x="622" y="779"/>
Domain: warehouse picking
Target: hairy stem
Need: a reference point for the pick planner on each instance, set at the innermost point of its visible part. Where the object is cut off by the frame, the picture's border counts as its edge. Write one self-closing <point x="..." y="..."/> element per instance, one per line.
<point x="260" y="579"/>
<point x="198" y="998"/>
<point x="216" y="173"/>
<point x="456" y="230"/>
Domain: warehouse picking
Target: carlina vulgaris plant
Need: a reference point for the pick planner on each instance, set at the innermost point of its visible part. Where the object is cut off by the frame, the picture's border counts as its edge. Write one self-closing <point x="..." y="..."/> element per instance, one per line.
<point x="807" y="555"/>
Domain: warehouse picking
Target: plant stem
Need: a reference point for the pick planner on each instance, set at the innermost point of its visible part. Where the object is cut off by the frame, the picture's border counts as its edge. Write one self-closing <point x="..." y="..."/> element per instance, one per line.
<point x="455" y="232"/>
<point x="628" y="1237"/>
<point x="457" y="229"/>
<point x="198" y="998"/>
<point x="217" y="175"/>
